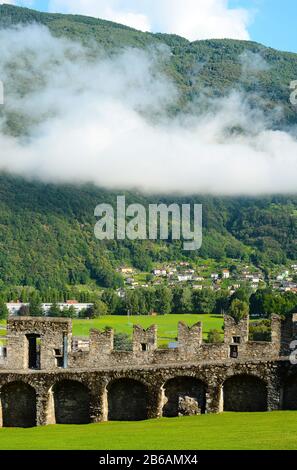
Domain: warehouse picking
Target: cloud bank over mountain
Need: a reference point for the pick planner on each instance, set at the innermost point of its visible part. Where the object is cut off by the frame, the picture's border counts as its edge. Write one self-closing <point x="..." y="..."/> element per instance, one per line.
<point x="81" y="116"/>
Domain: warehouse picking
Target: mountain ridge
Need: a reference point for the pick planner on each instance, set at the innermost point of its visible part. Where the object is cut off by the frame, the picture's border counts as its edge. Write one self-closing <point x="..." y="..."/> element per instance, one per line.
<point x="46" y="230"/>
<point x="5" y="9"/>
<point x="219" y="60"/>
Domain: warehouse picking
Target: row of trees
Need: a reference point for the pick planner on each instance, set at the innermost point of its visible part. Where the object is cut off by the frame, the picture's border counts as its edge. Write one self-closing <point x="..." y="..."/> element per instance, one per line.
<point x="24" y="294"/>
<point x="164" y="300"/>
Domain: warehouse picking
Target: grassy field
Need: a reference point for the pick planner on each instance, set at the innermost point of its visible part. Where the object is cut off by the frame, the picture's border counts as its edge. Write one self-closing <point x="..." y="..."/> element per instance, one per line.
<point x="167" y="324"/>
<point x="243" y="431"/>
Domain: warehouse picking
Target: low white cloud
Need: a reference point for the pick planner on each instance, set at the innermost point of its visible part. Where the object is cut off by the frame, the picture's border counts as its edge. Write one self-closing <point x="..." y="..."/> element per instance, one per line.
<point x="91" y="120"/>
<point x="134" y="20"/>
<point x="117" y="11"/>
<point x="193" y="19"/>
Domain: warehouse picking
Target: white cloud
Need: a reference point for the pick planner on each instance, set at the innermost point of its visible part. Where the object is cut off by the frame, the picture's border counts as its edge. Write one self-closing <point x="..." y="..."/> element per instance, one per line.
<point x="89" y="124"/>
<point x="112" y="10"/>
<point x="201" y="19"/>
<point x="193" y="19"/>
<point x="134" y="20"/>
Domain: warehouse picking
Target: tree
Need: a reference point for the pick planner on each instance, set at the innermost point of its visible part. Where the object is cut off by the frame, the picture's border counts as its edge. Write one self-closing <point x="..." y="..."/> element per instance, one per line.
<point x="289" y="303"/>
<point x="71" y="312"/>
<point x="68" y="312"/>
<point x="238" y="310"/>
<point x="256" y="302"/>
<point x="105" y="276"/>
<point x="98" y="309"/>
<point x="65" y="312"/>
<point x="112" y="300"/>
<point x="186" y="301"/>
<point x="84" y="313"/>
<point x="265" y="302"/>
<point x="3" y="311"/>
<point x="143" y="302"/>
<point x="122" y="342"/>
<point x="24" y="297"/>
<point x="243" y="294"/>
<point x="204" y="301"/>
<point x="260" y="331"/>
<point x="222" y="302"/>
<point x="54" y="311"/>
<point x="151" y="299"/>
<point x="182" y="300"/>
<point x="35" y="309"/>
<point x="163" y="302"/>
<point x="135" y="302"/>
<point x="214" y="336"/>
<point x="141" y="258"/>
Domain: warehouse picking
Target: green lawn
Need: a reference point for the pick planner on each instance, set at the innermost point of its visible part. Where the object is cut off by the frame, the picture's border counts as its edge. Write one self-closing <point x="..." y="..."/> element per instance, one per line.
<point x="2" y="327"/>
<point x="167" y="324"/>
<point x="248" y="431"/>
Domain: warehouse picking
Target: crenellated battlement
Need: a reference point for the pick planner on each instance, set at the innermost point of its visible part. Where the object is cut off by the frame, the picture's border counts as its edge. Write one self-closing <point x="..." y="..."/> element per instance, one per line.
<point x="46" y="344"/>
<point x="48" y="377"/>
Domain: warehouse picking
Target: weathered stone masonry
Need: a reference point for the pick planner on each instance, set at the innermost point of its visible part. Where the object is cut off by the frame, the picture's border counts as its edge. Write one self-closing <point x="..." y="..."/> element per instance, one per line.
<point x="44" y="380"/>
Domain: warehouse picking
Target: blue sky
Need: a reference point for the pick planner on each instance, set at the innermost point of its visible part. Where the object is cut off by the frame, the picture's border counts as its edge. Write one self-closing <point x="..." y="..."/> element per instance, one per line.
<point x="270" y="22"/>
<point x="274" y="22"/>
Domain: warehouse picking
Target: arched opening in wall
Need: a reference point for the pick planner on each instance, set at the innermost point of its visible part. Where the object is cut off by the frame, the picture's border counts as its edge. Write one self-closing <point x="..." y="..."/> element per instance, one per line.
<point x="290" y="394"/>
<point x="184" y="396"/>
<point x="127" y="400"/>
<point x="71" y="402"/>
<point x="18" y="402"/>
<point x="244" y="393"/>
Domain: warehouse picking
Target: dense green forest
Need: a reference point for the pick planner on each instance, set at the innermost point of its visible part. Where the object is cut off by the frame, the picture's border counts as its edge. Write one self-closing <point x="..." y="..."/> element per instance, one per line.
<point x="219" y="62"/>
<point x="46" y="230"/>
<point x="47" y="234"/>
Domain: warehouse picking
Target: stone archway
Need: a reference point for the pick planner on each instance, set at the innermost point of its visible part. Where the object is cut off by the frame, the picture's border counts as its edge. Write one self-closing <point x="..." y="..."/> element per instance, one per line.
<point x="18" y="402"/>
<point x="184" y="396"/>
<point x="244" y="393"/>
<point x="127" y="400"/>
<point x="71" y="401"/>
<point x="290" y="394"/>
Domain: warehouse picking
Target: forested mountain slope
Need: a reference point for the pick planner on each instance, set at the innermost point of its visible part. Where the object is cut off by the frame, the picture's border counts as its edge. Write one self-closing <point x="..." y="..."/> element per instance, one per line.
<point x="46" y="230"/>
<point x="47" y="233"/>
<point x="221" y="59"/>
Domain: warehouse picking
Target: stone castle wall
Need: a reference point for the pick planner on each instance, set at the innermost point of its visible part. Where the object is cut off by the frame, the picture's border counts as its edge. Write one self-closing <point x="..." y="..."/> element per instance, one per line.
<point x="44" y="381"/>
<point x="54" y="343"/>
<point x="191" y="346"/>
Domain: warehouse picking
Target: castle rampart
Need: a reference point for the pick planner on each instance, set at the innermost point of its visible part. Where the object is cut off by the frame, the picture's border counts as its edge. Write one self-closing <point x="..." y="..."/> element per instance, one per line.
<point x="43" y="380"/>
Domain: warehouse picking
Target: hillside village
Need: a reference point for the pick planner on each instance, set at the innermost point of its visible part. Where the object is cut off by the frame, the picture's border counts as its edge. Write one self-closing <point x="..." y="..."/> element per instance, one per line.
<point x="228" y="278"/>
